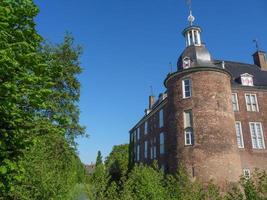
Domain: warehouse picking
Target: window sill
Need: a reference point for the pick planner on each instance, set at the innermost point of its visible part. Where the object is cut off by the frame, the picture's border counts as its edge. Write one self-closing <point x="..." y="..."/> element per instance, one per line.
<point x="187" y="97"/>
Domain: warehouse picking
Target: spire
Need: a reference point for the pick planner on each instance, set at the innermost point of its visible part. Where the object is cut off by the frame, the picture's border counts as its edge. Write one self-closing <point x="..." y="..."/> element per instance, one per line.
<point x="191" y="18"/>
<point x="192" y="33"/>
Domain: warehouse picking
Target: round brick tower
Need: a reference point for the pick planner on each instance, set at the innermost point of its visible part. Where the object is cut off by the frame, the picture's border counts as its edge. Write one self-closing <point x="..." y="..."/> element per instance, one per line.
<point x="201" y="124"/>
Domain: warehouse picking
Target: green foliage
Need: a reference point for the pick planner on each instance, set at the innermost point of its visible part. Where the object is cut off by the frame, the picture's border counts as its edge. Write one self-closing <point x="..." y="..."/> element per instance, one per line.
<point x="19" y="83"/>
<point x="144" y="183"/>
<point x="99" y="160"/>
<point x="117" y="162"/>
<point x="149" y="183"/>
<point x="52" y="170"/>
<point x="255" y="188"/>
<point x="39" y="91"/>
<point x="98" y="183"/>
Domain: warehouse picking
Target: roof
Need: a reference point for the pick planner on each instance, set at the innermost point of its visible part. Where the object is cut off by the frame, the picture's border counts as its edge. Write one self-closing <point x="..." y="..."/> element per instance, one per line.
<point x="236" y="69"/>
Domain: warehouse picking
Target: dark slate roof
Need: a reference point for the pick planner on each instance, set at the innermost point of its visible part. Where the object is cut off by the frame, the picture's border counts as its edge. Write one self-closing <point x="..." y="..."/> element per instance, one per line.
<point x="236" y="69"/>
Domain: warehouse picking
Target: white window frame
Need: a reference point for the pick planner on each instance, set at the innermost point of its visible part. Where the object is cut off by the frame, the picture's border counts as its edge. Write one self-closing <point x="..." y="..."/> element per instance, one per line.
<point x="250" y="106"/>
<point x="246" y="173"/>
<point x="161" y="118"/>
<point x="241" y="145"/>
<point x="146" y="127"/>
<point x="189" y="132"/>
<point x="190" y="88"/>
<point x="236" y="102"/>
<point x="162" y="143"/>
<point x="145" y="151"/>
<point x="257" y="136"/>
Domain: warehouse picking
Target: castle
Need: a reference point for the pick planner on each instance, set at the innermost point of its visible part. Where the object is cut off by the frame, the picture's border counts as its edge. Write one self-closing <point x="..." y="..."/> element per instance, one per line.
<point x="212" y="117"/>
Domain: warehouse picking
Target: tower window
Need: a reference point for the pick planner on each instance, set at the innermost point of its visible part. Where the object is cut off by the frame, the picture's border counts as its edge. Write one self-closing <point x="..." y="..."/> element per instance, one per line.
<point x="186" y="62"/>
<point x="235" y="102"/>
<point x="256" y="135"/>
<point x="239" y="135"/>
<point x="187" y="88"/>
<point x="188" y="128"/>
<point x="252" y="103"/>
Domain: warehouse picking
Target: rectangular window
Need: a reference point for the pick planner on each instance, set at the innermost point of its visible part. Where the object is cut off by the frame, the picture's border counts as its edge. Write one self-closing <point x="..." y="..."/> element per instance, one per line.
<point x="257" y="135"/>
<point x="246" y="173"/>
<point x="188" y="118"/>
<point x="252" y="103"/>
<point x="145" y="152"/>
<point x="146" y="127"/>
<point x="187" y="88"/>
<point x="188" y="128"/>
<point x="235" y="102"/>
<point x="161" y="141"/>
<point x="239" y="135"/>
<point x="155" y="151"/>
<point x="138" y="134"/>
<point x="161" y="120"/>
<point x="138" y="153"/>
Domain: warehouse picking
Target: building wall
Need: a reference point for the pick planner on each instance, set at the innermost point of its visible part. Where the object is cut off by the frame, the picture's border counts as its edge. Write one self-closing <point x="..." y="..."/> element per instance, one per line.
<point x="252" y="158"/>
<point x="214" y="154"/>
<point x="152" y="137"/>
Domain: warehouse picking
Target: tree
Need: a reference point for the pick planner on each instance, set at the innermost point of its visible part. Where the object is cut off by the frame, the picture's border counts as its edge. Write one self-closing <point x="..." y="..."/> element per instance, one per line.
<point x="144" y="183"/>
<point x="98" y="159"/>
<point x="39" y="92"/>
<point x="99" y="180"/>
<point x="63" y="67"/>
<point x="22" y="87"/>
<point x="117" y="162"/>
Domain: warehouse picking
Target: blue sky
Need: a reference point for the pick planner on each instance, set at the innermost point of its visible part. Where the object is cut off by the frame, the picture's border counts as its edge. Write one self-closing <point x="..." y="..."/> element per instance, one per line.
<point x="128" y="45"/>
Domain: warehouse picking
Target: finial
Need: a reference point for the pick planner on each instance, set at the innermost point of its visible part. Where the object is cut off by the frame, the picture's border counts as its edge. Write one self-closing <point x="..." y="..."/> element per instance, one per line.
<point x="257" y="44"/>
<point x="190" y="18"/>
<point x="151" y="90"/>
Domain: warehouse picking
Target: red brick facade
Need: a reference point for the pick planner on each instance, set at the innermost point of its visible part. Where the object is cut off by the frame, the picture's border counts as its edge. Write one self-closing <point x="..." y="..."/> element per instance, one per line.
<point x="215" y="154"/>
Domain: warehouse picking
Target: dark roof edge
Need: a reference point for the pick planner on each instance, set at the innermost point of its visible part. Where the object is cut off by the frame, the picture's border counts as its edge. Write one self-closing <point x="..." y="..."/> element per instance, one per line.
<point x="196" y="69"/>
<point x="249" y="87"/>
<point x="149" y="115"/>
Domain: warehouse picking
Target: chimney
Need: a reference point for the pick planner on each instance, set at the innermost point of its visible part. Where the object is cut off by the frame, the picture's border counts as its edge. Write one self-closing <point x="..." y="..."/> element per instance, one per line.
<point x="260" y="60"/>
<point x="151" y="101"/>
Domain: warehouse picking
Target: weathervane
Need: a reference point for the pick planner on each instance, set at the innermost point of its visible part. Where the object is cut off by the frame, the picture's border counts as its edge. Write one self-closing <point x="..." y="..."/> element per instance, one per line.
<point x="257" y="44"/>
<point x="190" y="18"/>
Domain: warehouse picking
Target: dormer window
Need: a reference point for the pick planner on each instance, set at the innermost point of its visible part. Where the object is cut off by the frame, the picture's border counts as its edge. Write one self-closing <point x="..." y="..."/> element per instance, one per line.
<point x="247" y="79"/>
<point x="186" y="62"/>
